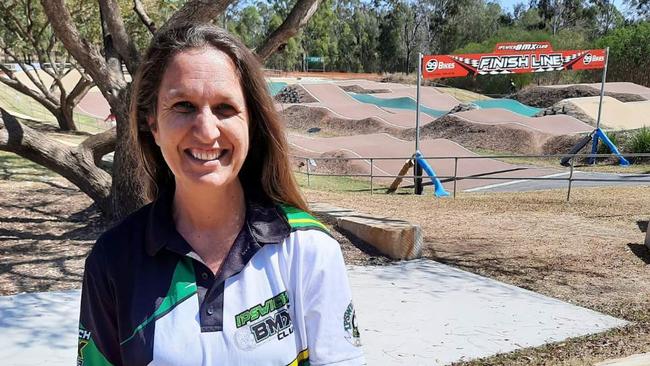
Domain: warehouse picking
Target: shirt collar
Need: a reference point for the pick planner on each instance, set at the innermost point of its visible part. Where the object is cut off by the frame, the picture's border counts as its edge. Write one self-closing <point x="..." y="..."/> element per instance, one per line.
<point x="265" y="224"/>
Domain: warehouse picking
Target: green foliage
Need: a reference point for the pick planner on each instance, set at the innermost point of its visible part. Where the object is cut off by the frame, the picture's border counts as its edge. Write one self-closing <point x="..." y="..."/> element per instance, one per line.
<point x="629" y="53"/>
<point x="640" y="141"/>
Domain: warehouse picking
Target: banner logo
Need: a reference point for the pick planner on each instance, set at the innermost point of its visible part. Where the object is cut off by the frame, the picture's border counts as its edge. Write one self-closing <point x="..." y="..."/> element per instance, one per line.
<point x="432" y="65"/>
<point x="589" y="58"/>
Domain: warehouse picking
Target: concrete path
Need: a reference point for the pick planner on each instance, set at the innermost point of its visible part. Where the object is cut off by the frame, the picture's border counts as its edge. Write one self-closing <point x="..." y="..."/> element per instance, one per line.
<point x="410" y="313"/>
<point x="426" y="313"/>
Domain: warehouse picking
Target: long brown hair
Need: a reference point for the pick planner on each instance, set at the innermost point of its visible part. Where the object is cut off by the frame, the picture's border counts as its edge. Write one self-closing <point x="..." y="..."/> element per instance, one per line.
<point x="266" y="170"/>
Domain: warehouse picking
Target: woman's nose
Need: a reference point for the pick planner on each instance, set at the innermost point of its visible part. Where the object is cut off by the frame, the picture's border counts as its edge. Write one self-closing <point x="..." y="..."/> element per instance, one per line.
<point x="206" y="126"/>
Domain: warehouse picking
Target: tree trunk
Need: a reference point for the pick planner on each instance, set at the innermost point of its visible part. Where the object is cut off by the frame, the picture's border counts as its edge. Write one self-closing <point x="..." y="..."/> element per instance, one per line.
<point x="65" y="117"/>
<point x="127" y="191"/>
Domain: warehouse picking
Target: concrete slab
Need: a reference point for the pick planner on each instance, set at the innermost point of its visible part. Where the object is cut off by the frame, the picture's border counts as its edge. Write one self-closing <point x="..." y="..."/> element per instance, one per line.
<point x="426" y="313"/>
<point x="416" y="313"/>
<point x="398" y="239"/>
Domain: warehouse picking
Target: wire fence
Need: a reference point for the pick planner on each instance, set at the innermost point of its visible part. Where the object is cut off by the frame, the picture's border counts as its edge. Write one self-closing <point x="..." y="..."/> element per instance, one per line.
<point x="311" y="163"/>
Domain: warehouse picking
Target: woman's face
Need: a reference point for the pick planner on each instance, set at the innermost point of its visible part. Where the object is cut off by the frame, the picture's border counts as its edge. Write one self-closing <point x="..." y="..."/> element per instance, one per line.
<point x="201" y="121"/>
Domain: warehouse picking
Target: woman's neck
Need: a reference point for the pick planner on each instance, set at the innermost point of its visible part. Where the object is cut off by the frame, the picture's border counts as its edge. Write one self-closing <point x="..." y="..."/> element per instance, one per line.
<point x="207" y="210"/>
<point x="210" y="220"/>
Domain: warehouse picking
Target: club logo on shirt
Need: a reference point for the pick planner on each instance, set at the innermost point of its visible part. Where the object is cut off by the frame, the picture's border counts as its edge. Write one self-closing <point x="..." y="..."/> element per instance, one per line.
<point x="269" y="319"/>
<point x="250" y="315"/>
<point x="350" y="326"/>
<point x="279" y="324"/>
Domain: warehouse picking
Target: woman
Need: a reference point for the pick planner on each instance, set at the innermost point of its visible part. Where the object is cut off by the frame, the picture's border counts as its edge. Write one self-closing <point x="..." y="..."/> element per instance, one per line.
<point x="225" y="267"/>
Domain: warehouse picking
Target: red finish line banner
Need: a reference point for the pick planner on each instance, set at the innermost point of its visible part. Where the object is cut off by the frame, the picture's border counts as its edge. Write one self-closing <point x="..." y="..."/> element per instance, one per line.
<point x="511" y="58"/>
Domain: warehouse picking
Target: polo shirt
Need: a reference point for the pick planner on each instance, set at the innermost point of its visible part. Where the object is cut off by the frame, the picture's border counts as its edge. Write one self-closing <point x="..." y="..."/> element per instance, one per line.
<point x="281" y="297"/>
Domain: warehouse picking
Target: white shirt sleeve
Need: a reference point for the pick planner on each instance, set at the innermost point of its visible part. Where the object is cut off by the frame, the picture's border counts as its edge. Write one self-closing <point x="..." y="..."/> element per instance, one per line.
<point x="324" y="301"/>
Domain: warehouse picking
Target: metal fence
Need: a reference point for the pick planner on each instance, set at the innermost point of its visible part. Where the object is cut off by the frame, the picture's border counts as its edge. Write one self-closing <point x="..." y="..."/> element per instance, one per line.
<point x="309" y="161"/>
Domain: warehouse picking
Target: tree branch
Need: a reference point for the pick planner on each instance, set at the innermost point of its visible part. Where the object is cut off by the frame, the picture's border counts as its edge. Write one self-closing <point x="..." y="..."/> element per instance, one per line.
<point x="101" y="144"/>
<point x="144" y="18"/>
<point x="87" y="54"/>
<point x="121" y="40"/>
<point x="197" y="11"/>
<point x="297" y="18"/>
<point x="74" y="163"/>
<point x="79" y="91"/>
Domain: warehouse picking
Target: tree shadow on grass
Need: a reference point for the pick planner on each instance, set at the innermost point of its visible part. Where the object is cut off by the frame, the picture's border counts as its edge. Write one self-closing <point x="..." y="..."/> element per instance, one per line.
<point x="44" y="240"/>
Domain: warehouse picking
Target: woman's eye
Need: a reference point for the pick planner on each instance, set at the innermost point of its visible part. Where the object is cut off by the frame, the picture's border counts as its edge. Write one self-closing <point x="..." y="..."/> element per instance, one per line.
<point x="184" y="107"/>
<point x="225" y="110"/>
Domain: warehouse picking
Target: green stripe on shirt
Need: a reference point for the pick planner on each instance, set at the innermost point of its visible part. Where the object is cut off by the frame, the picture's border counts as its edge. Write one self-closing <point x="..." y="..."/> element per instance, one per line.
<point x="183" y="286"/>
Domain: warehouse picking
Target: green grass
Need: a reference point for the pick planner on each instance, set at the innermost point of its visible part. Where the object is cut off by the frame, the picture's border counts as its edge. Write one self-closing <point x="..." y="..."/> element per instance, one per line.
<point x="344" y="184"/>
<point x="16" y="168"/>
<point x="640" y="141"/>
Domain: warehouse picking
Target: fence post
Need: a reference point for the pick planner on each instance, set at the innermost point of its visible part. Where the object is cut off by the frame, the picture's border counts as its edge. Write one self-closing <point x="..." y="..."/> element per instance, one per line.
<point x="455" y="173"/>
<point x="371" y="166"/>
<point x="308" y="182"/>
<point x="568" y="193"/>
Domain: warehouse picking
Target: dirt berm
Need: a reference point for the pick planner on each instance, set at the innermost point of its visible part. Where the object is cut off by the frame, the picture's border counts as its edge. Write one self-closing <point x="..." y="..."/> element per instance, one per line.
<point x="508" y="138"/>
<point x="543" y="97"/>
<point x="361" y="90"/>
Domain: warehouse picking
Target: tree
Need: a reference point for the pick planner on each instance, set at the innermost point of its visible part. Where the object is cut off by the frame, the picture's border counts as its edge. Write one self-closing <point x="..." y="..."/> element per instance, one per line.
<point x="121" y="193"/>
<point x="605" y="16"/>
<point x="28" y="41"/>
<point x="642" y="7"/>
<point x="391" y="49"/>
<point x="629" y="53"/>
<point x="320" y="38"/>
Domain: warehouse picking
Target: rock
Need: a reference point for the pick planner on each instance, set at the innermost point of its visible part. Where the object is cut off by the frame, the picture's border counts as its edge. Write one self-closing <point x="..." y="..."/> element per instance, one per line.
<point x="463" y="107"/>
<point x="292" y="94"/>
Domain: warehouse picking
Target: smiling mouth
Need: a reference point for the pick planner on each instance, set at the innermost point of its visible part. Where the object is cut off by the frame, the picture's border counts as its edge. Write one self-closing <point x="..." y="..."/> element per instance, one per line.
<point x="207" y="155"/>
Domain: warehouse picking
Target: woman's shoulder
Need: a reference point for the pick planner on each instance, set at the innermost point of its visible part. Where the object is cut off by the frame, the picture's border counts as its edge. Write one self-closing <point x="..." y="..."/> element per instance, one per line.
<point x="308" y="234"/>
<point x="119" y="240"/>
<point x="125" y="229"/>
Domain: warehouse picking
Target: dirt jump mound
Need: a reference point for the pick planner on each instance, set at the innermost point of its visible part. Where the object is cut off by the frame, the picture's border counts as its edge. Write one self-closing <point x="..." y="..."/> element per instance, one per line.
<point x="303" y="118"/>
<point x="361" y="90"/>
<point x="544" y="97"/>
